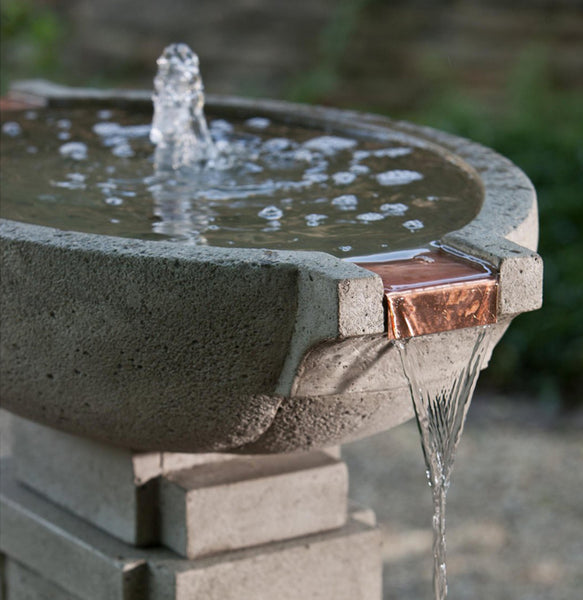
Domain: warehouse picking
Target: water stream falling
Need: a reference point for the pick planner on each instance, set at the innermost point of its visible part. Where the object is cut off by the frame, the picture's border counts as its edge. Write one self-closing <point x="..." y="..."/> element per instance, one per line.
<point x="441" y="414"/>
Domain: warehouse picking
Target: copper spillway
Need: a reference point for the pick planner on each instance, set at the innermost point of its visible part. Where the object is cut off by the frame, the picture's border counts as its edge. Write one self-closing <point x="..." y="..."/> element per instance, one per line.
<point x="436" y="291"/>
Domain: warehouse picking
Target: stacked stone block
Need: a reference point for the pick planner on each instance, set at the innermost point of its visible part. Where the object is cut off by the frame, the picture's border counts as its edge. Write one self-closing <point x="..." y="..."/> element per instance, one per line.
<point x="83" y="521"/>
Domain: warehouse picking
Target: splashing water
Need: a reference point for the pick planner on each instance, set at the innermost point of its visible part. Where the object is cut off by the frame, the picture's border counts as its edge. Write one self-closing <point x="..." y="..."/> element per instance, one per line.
<point x="179" y="128"/>
<point x="441" y="415"/>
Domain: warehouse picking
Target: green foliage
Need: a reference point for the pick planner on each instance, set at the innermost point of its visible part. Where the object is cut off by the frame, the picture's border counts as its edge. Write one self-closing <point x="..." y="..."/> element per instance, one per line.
<point x="542" y="132"/>
<point x="323" y="77"/>
<point x="30" y="34"/>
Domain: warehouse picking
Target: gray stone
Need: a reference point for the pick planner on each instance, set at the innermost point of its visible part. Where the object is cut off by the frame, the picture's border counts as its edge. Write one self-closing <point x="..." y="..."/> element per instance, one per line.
<point x="64" y="549"/>
<point x="112" y="488"/>
<point x="343" y="564"/>
<point x="250" y="501"/>
<point x="158" y="346"/>
<point x="24" y="584"/>
<point x="340" y="565"/>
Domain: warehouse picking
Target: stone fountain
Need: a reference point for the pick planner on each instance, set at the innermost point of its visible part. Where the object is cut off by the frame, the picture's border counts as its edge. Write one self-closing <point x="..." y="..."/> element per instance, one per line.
<point x="180" y="407"/>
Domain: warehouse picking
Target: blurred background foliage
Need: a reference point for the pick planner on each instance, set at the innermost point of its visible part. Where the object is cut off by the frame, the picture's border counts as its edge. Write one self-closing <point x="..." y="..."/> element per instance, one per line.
<point x="506" y="74"/>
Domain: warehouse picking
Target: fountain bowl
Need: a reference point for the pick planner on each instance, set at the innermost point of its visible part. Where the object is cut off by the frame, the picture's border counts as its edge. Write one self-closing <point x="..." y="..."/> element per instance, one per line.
<point x="161" y="346"/>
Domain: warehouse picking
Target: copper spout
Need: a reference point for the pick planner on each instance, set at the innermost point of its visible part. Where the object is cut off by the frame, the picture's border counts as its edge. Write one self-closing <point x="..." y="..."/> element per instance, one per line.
<point x="436" y="291"/>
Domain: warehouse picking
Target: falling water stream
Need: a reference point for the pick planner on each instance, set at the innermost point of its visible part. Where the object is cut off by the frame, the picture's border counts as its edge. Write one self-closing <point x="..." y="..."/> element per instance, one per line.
<point x="441" y="414"/>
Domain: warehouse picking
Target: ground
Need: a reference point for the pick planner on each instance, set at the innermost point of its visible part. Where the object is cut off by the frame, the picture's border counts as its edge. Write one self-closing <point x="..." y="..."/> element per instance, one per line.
<point x="515" y="508"/>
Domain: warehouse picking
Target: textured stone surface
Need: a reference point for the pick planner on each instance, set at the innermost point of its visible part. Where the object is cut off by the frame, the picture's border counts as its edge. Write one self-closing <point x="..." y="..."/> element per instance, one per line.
<point x="112" y="488"/>
<point x="154" y="346"/>
<point x="24" y="584"/>
<point x="340" y="565"/>
<point x="71" y="553"/>
<point x="251" y="500"/>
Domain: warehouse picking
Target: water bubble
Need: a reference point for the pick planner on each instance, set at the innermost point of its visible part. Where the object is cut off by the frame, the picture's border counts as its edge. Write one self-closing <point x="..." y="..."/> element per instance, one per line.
<point x="123" y="150"/>
<point x="360" y="169"/>
<point x="104" y="114"/>
<point x="64" y="124"/>
<point x="413" y="225"/>
<point x="273" y="225"/>
<point x="31" y="115"/>
<point x="63" y="135"/>
<point x="345" y="248"/>
<point x="433" y="198"/>
<point x="276" y="144"/>
<point x="398" y="177"/>
<point x="370" y="216"/>
<point x="313" y="220"/>
<point x="258" y="123"/>
<point x="114" y="201"/>
<point x="221" y="126"/>
<point x="346" y="202"/>
<point x="315" y="177"/>
<point x="271" y="213"/>
<point x="74" y="150"/>
<point x="361" y="155"/>
<point x="394" y="209"/>
<point x="343" y="178"/>
<point x="11" y="128"/>
<point x="392" y="152"/>
<point x="114" y="221"/>
<point x="303" y="154"/>
<point x="330" y="144"/>
<point x="106" y="129"/>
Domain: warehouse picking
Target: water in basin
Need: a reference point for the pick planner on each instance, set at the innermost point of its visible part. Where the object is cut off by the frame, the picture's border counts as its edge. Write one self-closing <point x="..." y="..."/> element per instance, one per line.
<point x="251" y="182"/>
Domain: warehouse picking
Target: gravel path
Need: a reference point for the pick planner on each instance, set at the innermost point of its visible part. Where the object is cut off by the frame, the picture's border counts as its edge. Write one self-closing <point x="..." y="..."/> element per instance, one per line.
<point x="515" y="508"/>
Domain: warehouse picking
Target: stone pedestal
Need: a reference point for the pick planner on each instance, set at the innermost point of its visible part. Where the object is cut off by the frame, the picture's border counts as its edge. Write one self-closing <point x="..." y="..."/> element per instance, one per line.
<point x="83" y="521"/>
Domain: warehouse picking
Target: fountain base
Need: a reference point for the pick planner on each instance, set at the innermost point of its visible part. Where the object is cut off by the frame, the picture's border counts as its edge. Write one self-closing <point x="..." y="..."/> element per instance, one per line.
<point x="118" y="523"/>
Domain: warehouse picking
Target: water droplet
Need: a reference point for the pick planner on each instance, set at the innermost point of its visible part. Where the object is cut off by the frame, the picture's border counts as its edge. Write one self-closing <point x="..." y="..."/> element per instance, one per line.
<point x="11" y="128"/>
<point x="330" y="144"/>
<point x="114" y="201"/>
<point x="346" y="202"/>
<point x="394" y="210"/>
<point x="413" y="225"/>
<point x="343" y="178"/>
<point x="221" y="126"/>
<point x="258" y="123"/>
<point x="345" y="248"/>
<point x="74" y="150"/>
<point x="370" y="216"/>
<point x="271" y="213"/>
<point x="64" y="124"/>
<point x="313" y="220"/>
<point x="392" y="152"/>
<point x="398" y="177"/>
<point x="360" y="169"/>
<point x="123" y="150"/>
<point x="276" y="144"/>
<point x="361" y="155"/>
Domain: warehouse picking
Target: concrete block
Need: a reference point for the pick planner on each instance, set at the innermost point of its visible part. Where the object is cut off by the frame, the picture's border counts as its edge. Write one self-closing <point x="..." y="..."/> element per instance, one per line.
<point x="112" y="488"/>
<point x="73" y="554"/>
<point x="343" y="564"/>
<point x="251" y="500"/>
<point x="24" y="584"/>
